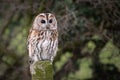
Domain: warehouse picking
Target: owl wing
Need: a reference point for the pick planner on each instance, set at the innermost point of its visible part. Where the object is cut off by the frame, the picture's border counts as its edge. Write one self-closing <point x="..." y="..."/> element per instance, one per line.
<point x="28" y="39"/>
<point x="55" y="48"/>
<point x="55" y="44"/>
<point x="32" y="37"/>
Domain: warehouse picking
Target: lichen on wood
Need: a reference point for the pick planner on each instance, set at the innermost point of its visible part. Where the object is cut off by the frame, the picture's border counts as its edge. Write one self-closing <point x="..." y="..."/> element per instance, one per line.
<point x="43" y="71"/>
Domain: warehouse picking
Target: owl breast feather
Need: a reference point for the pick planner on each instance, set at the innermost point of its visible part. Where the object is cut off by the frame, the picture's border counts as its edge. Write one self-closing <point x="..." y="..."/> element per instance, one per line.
<point x="46" y="46"/>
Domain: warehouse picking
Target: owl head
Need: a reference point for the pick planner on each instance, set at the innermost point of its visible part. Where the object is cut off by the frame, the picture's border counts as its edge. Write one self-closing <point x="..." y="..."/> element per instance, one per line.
<point x="45" y="21"/>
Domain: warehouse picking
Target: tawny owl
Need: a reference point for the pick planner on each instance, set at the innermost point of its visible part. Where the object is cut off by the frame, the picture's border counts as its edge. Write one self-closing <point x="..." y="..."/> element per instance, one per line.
<point x="43" y="38"/>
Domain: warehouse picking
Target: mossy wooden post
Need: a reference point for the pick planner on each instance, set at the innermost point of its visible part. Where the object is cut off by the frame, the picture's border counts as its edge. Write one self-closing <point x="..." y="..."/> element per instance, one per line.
<point x="43" y="71"/>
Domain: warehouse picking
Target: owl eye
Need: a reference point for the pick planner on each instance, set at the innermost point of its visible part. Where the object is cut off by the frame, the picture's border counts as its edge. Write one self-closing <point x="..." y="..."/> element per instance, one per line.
<point x="42" y="21"/>
<point x="50" y="21"/>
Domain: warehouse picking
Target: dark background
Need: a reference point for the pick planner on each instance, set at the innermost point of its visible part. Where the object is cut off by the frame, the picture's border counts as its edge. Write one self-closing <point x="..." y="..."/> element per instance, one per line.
<point x="89" y="38"/>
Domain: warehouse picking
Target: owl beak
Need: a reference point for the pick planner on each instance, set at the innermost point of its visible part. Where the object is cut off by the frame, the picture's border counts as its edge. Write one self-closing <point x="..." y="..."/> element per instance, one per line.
<point x="47" y="27"/>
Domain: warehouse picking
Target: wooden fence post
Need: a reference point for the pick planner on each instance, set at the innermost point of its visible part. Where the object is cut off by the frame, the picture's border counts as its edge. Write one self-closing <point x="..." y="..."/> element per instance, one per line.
<point x="43" y="71"/>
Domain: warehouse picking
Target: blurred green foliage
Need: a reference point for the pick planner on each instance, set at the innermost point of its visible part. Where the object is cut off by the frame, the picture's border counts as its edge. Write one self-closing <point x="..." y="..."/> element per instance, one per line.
<point x="89" y="38"/>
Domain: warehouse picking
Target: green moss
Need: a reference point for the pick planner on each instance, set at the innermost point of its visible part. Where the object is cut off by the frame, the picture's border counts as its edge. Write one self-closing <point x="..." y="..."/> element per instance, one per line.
<point x="43" y="71"/>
